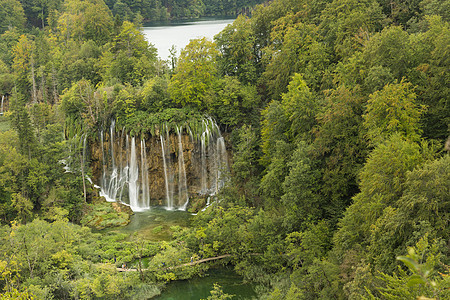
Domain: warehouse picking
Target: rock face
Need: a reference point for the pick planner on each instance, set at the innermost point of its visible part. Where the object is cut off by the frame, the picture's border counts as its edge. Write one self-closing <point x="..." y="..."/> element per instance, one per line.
<point x="162" y="169"/>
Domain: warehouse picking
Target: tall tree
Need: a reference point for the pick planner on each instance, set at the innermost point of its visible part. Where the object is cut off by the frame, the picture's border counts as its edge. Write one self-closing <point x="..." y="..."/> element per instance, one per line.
<point x="345" y="22"/>
<point x="11" y="15"/>
<point x="21" y="122"/>
<point x="340" y="145"/>
<point x="23" y="52"/>
<point x="131" y="58"/>
<point x="302" y="200"/>
<point x="423" y="210"/>
<point x="295" y="48"/>
<point x="382" y="184"/>
<point x="393" y="110"/>
<point x="237" y="48"/>
<point x="301" y="107"/>
<point x="196" y="73"/>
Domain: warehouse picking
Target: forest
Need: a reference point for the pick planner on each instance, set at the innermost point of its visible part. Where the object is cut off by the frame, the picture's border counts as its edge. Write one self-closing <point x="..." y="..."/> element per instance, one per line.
<point x="336" y="117"/>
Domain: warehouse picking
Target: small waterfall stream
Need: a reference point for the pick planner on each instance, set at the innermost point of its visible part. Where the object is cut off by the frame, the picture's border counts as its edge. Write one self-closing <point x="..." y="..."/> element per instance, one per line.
<point x="162" y="171"/>
<point x="169" y="198"/>
<point x="145" y="203"/>
<point x="133" y="184"/>
<point x="183" y="195"/>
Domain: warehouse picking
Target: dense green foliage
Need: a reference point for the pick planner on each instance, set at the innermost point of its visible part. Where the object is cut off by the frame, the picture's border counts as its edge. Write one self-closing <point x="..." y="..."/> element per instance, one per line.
<point x="337" y="113"/>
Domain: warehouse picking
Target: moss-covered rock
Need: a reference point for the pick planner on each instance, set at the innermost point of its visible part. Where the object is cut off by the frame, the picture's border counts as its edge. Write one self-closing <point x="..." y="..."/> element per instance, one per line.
<point x="102" y="214"/>
<point x="196" y="203"/>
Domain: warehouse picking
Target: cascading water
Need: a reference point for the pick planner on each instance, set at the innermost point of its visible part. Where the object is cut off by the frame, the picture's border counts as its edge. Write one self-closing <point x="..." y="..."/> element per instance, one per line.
<point x="222" y="163"/>
<point x="183" y="196"/>
<point x="144" y="176"/>
<point x="166" y="174"/>
<point x="163" y="171"/>
<point x="214" y="160"/>
<point x="1" y="112"/>
<point x="133" y="184"/>
<point x="122" y="180"/>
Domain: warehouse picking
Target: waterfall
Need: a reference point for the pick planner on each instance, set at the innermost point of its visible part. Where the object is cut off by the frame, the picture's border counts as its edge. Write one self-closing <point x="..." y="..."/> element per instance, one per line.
<point x="111" y="138"/>
<point x="166" y="174"/>
<point x="213" y="158"/>
<point x="222" y="163"/>
<point x="131" y="166"/>
<point x="1" y="112"/>
<point x="183" y="196"/>
<point x="144" y="176"/>
<point x="133" y="185"/>
<point x="204" y="175"/>
<point x="171" y="175"/>
<point x="121" y="179"/>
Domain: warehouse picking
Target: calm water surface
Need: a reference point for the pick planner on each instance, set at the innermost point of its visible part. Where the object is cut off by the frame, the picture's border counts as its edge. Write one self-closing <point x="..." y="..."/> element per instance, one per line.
<point x="163" y="36"/>
<point x="199" y="288"/>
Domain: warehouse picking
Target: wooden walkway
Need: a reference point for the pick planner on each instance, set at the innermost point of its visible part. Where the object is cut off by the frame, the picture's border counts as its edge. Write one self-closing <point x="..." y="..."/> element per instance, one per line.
<point x="182" y="265"/>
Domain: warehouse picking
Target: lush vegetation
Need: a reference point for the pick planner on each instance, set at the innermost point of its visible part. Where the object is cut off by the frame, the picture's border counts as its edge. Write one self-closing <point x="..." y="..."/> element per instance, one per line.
<point x="337" y="111"/>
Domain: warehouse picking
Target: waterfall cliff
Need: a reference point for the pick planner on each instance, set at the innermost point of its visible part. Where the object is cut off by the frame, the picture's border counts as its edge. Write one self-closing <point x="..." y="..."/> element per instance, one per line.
<point x="164" y="169"/>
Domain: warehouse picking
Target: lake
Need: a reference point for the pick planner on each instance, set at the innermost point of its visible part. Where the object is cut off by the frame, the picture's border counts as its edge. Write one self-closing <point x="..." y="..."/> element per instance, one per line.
<point x="179" y="33"/>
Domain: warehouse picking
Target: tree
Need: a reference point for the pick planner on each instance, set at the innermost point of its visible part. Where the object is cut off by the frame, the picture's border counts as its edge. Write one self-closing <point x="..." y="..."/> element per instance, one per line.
<point x="294" y="48"/>
<point x="400" y="12"/>
<point x="423" y="279"/>
<point x="6" y="79"/>
<point x="302" y="200"/>
<point x="11" y="15"/>
<point x="274" y="127"/>
<point x="345" y="22"/>
<point x="234" y="103"/>
<point x="393" y="110"/>
<point x="340" y="145"/>
<point x="83" y="108"/>
<point x="131" y="58"/>
<point x="382" y="182"/>
<point x="421" y="211"/>
<point x="13" y="171"/>
<point x="195" y="73"/>
<point x="245" y="167"/>
<point x="86" y="20"/>
<point x="23" y="206"/>
<point x="154" y="94"/>
<point x="431" y="79"/>
<point x="21" y="122"/>
<point x="391" y="50"/>
<point x="436" y="7"/>
<point x="132" y="42"/>
<point x="237" y="54"/>
<point x="271" y="185"/>
<point x="23" y="52"/>
<point x="301" y="108"/>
